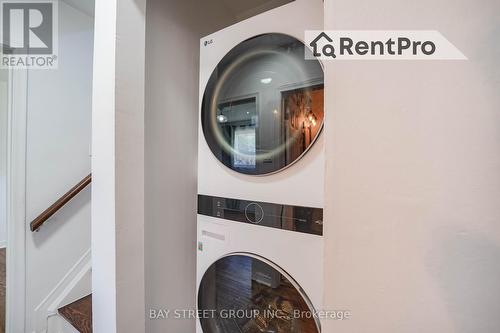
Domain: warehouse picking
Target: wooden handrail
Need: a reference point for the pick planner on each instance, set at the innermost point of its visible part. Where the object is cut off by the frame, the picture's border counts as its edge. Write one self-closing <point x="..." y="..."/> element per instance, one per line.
<point x="47" y="214"/>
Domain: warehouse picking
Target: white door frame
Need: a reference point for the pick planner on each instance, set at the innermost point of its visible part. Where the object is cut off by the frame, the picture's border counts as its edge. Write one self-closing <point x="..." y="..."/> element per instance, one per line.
<point x="16" y="202"/>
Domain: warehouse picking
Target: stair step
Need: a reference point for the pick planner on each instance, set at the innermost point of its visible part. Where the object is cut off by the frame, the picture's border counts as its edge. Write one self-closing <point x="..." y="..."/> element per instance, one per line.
<point x="79" y="314"/>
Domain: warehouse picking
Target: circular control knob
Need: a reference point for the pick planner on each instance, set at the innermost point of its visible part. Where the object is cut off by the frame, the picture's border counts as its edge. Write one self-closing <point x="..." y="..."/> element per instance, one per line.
<point x="254" y="213"/>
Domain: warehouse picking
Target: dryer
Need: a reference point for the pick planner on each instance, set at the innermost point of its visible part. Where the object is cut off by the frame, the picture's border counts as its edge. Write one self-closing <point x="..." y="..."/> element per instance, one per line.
<point x="261" y="175"/>
<point x="261" y="109"/>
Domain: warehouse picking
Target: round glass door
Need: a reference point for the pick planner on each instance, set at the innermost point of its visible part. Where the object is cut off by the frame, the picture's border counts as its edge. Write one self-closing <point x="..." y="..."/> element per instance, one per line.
<point x="263" y="105"/>
<point x="241" y="293"/>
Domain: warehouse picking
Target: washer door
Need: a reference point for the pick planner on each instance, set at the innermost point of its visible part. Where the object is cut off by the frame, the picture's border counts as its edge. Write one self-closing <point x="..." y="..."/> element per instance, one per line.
<point x="242" y="293"/>
<point x="263" y="105"/>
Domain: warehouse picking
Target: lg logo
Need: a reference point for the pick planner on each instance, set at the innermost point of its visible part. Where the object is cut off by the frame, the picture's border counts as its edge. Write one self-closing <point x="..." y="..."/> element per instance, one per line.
<point x="208" y="42"/>
<point x="28" y="27"/>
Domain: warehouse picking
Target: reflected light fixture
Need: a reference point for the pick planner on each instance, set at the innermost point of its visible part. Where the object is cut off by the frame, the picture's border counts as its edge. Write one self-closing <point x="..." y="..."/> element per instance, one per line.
<point x="311" y="119"/>
<point x="267" y="80"/>
<point x="221" y="118"/>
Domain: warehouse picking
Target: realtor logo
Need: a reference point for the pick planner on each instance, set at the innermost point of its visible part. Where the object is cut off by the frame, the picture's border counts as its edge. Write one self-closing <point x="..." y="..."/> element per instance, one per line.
<point x="328" y="49"/>
<point x="29" y="33"/>
<point x="380" y="45"/>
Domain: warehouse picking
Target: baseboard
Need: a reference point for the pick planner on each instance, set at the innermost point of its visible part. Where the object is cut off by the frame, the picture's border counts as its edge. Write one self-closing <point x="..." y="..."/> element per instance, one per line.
<point x="74" y="285"/>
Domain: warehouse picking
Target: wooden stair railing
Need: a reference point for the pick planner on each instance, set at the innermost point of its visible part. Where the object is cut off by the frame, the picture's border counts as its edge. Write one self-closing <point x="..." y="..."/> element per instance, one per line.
<point x="47" y="214"/>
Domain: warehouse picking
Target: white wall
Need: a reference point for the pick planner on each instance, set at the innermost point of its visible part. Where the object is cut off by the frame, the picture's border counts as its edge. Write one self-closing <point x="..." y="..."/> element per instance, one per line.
<point x="173" y="31"/>
<point x="118" y="167"/>
<point x="58" y="148"/>
<point x="413" y="175"/>
<point x="103" y="170"/>
<point x="129" y="154"/>
<point x="3" y="155"/>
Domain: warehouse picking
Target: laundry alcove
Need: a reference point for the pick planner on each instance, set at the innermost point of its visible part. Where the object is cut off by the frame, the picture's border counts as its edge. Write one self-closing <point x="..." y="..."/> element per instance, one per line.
<point x="173" y="32"/>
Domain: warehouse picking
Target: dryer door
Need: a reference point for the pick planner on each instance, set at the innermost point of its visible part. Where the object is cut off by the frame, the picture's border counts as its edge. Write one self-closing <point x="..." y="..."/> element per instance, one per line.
<point x="263" y="105"/>
<point x="242" y="293"/>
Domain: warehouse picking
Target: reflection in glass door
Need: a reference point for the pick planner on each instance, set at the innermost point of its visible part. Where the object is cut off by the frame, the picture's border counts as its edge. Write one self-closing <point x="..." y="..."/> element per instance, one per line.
<point x="238" y="120"/>
<point x="244" y="142"/>
<point x="263" y="106"/>
<point x="249" y="295"/>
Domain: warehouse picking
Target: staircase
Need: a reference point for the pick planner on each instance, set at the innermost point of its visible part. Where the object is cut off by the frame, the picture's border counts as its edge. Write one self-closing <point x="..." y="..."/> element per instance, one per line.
<point x="79" y="314"/>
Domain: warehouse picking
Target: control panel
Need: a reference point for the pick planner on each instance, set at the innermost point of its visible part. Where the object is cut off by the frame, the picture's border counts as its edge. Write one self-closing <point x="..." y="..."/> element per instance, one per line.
<point x="293" y="218"/>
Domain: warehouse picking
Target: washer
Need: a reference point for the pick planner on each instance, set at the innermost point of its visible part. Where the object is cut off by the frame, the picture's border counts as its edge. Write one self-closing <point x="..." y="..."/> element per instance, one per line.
<point x="261" y="175"/>
<point x="263" y="262"/>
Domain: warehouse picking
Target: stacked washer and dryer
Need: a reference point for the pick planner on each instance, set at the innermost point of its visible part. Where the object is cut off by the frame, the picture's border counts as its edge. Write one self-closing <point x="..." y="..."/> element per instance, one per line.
<point x="261" y="175"/>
